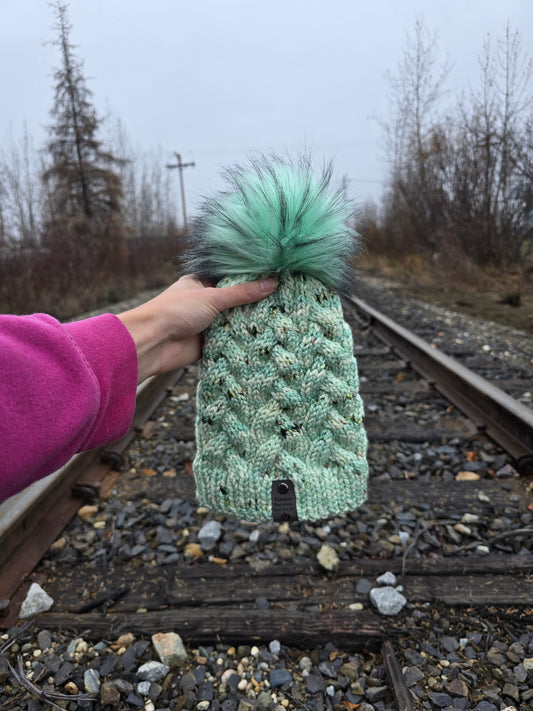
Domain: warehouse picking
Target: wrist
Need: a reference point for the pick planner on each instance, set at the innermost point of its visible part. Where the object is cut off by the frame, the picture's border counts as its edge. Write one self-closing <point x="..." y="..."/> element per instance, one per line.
<point x="144" y="329"/>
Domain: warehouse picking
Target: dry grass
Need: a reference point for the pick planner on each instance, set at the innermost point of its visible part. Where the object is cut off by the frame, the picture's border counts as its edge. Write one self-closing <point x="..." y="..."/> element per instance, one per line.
<point x="502" y="296"/>
<point x="448" y="273"/>
<point x="68" y="281"/>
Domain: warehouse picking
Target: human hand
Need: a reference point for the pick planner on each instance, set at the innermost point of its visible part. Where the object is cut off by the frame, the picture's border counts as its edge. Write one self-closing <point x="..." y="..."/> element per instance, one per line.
<point x="166" y="330"/>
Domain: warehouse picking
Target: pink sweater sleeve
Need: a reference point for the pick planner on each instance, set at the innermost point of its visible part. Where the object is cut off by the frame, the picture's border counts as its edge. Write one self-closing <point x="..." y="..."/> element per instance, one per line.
<point x="64" y="388"/>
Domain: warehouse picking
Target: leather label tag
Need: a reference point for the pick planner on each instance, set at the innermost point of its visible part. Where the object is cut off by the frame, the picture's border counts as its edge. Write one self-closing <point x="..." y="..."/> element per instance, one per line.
<point x="283" y="501"/>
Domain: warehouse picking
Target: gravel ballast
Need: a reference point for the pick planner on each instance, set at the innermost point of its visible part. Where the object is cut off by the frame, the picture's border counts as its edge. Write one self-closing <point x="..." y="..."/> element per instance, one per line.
<point x="451" y="657"/>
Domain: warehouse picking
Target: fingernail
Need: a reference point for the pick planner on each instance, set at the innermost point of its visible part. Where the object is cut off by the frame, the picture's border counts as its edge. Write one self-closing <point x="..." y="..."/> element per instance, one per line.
<point x="268" y="285"/>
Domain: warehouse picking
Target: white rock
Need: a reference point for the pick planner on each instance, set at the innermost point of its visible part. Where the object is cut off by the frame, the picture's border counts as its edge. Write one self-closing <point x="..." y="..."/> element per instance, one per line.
<point x="356" y="606"/>
<point x="305" y="663"/>
<point x="209" y="535"/>
<point x="152" y="671"/>
<point x="528" y="664"/>
<point x="328" y="558"/>
<point x="143" y="688"/>
<point x="169" y="648"/>
<point x="388" y="600"/>
<point x="36" y="601"/>
<point x="387" y="578"/>
<point x="274" y="646"/>
<point x="404" y="537"/>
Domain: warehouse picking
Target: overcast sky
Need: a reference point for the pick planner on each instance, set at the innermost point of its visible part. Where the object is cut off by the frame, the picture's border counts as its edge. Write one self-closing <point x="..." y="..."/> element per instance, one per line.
<point x="218" y="79"/>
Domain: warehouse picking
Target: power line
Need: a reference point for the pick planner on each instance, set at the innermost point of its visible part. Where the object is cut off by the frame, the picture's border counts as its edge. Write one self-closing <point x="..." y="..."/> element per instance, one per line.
<point x="181" y="166"/>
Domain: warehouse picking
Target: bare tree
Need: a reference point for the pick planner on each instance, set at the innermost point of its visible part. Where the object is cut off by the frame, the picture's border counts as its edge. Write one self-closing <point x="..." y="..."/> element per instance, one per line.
<point x="414" y="137"/>
<point x="20" y="192"/>
<point x="493" y="154"/>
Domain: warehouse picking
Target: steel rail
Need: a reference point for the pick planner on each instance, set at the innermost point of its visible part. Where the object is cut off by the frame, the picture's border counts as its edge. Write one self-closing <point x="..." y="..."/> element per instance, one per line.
<point x="504" y="419"/>
<point x="31" y="521"/>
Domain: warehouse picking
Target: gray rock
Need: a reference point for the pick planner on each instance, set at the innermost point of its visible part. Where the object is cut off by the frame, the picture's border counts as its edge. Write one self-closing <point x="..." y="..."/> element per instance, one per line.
<point x="63" y="674"/>
<point x="188" y="682"/>
<point x="125" y="687"/>
<point x="450" y="644"/>
<point x="279" y="677"/>
<point x="53" y="663"/>
<point x="364" y="586"/>
<point x="496" y="657"/>
<point x="205" y="691"/>
<point x="134" y="700"/>
<point x="44" y="640"/>
<point x="36" y="601"/>
<point x="485" y="706"/>
<point x="107" y="665"/>
<point x="520" y="673"/>
<point x="209" y="534"/>
<point x="152" y="671"/>
<point x="91" y="681"/>
<point x="387" y="600"/>
<point x="387" y="578"/>
<point x="315" y="683"/>
<point x="412" y="675"/>
<point x="439" y="699"/>
<point x="512" y="691"/>
<point x="376" y="693"/>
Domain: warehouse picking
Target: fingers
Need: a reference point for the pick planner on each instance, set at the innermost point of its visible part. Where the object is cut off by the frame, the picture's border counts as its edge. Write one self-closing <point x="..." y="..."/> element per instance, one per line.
<point x="229" y="296"/>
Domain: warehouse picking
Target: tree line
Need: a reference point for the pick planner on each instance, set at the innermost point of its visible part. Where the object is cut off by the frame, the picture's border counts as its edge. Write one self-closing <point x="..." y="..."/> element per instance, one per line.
<point x="460" y="179"/>
<point x="80" y="223"/>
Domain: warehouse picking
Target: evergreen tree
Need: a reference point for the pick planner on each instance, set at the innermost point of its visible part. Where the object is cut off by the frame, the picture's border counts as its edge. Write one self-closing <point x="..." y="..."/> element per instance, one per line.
<point x="84" y="192"/>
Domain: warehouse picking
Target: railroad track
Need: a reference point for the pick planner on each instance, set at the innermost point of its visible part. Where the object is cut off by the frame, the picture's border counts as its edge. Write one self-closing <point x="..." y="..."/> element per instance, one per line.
<point x="426" y="524"/>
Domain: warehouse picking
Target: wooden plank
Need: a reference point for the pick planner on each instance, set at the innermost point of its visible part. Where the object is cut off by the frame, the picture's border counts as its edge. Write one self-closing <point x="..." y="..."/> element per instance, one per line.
<point x="397" y="682"/>
<point x="234" y="625"/>
<point x="471" y="589"/>
<point x="210" y="586"/>
<point x="207" y="583"/>
<point x="455" y="497"/>
<point x="442" y="433"/>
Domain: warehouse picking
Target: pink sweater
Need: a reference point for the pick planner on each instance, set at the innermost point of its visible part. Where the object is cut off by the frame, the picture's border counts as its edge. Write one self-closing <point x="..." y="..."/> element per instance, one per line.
<point x="64" y="388"/>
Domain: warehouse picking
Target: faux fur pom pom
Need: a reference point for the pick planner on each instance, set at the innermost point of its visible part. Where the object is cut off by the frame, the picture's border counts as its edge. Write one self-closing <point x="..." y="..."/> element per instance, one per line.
<point x="275" y="217"/>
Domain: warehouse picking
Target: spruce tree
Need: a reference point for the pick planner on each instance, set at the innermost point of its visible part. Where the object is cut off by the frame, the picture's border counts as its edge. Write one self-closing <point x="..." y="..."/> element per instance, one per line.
<point x="84" y="192"/>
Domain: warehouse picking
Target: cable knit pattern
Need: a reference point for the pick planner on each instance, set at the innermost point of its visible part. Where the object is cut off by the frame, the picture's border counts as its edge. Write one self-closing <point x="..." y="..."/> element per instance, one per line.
<point x="278" y="400"/>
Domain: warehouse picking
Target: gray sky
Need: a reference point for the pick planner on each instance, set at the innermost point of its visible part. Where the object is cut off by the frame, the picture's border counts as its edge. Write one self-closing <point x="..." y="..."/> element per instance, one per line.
<point x="218" y="79"/>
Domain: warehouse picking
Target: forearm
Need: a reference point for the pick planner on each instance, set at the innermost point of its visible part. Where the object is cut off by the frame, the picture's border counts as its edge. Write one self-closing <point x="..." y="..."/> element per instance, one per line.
<point x="63" y="388"/>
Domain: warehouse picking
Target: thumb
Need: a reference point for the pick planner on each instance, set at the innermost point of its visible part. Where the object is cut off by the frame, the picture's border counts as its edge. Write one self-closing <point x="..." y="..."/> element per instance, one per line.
<point x="229" y="296"/>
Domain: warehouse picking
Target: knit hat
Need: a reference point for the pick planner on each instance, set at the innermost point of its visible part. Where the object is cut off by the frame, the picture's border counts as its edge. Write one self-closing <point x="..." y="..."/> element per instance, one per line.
<point x="279" y="428"/>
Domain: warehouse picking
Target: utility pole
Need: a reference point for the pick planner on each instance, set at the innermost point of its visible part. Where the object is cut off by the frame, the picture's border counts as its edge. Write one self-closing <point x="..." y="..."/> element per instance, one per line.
<point x="180" y="166"/>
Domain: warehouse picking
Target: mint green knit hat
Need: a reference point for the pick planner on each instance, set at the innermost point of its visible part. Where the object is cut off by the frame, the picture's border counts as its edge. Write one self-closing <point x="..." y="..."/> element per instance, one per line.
<point x="279" y="427"/>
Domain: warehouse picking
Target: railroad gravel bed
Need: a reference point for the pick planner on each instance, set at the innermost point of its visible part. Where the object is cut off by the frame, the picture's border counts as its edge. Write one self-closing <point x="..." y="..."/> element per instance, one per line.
<point x="451" y="658"/>
<point x="494" y="351"/>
